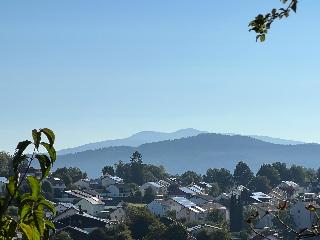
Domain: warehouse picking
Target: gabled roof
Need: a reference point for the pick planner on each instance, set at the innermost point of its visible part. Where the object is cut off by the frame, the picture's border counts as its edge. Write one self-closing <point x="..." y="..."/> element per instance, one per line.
<point x="67" y="205"/>
<point x="83" y="220"/>
<point x="183" y="201"/>
<point x="187" y="190"/>
<point x="157" y="185"/>
<point x="115" y="178"/>
<point x="260" y="196"/>
<point x="93" y="200"/>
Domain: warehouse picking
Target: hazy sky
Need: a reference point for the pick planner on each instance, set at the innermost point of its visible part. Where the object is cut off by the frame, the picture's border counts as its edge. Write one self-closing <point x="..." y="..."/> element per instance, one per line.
<point x="95" y="70"/>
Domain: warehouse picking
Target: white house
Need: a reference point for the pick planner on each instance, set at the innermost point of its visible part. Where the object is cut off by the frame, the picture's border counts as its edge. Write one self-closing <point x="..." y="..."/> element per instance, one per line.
<point x="91" y="205"/>
<point x="185" y="209"/>
<point x="118" y="190"/>
<point x="83" y="183"/>
<point x="107" y="180"/>
<point x="156" y="187"/>
<point x="159" y="207"/>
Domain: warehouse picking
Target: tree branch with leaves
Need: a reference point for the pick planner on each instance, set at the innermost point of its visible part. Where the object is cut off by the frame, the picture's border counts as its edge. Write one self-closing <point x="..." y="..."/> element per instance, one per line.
<point x="31" y="221"/>
<point x="262" y="22"/>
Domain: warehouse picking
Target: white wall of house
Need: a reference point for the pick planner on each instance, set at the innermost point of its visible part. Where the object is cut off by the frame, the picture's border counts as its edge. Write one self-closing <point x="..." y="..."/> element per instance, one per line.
<point x="118" y="214"/>
<point x="158" y="208"/>
<point x="302" y="217"/>
<point x="190" y="216"/>
<point x="174" y="205"/>
<point x="114" y="191"/>
<point x="92" y="209"/>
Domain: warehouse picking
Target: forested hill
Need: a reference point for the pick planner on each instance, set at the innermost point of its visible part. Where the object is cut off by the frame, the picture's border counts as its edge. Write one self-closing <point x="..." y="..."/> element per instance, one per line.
<point x="198" y="153"/>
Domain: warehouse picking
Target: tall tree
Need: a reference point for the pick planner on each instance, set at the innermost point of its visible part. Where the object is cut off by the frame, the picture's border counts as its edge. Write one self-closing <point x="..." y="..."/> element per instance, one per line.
<point x="5" y="164"/>
<point x="260" y="184"/>
<point x="108" y="170"/>
<point x="236" y="214"/>
<point x="298" y="174"/>
<point x="190" y="177"/>
<point x="283" y="171"/>
<point x="270" y="173"/>
<point x="222" y="176"/>
<point x="137" y="173"/>
<point x="242" y="174"/>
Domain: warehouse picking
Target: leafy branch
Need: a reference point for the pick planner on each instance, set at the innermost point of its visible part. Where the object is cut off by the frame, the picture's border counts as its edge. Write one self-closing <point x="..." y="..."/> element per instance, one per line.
<point x="262" y="23"/>
<point x="31" y="222"/>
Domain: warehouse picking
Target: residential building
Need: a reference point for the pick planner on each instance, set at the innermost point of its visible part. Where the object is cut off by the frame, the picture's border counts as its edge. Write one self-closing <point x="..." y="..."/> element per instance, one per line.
<point x="119" y="190"/>
<point x="91" y="205"/>
<point x="159" y="207"/>
<point x="156" y="187"/>
<point x="108" y="180"/>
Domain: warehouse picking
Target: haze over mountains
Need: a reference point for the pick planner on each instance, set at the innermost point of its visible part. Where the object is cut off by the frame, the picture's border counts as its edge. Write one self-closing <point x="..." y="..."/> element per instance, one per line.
<point x="197" y="152"/>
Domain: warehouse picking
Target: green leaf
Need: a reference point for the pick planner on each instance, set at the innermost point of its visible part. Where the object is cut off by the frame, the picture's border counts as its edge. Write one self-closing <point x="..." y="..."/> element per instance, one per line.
<point x="50" y="225"/>
<point x="23" y="145"/>
<point x="25" y="211"/>
<point x="34" y="185"/>
<point x="262" y="37"/>
<point x="51" y="151"/>
<point x="45" y="164"/>
<point x="11" y="186"/>
<point x="18" y="157"/>
<point x="39" y="221"/>
<point x="29" y="231"/>
<point x="36" y="138"/>
<point x="48" y="205"/>
<point x="50" y="135"/>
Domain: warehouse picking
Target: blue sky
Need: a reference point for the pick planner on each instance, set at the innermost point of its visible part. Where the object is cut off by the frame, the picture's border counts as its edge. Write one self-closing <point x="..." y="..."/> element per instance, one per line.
<point x="95" y="70"/>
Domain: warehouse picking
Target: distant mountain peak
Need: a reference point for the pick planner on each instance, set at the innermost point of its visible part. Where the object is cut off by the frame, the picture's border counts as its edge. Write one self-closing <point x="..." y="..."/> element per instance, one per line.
<point x="135" y="140"/>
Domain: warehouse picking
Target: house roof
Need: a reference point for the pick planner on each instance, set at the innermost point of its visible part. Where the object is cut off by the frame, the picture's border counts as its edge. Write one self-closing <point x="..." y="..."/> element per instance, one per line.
<point x="205" y="197"/>
<point x="196" y="188"/>
<point x="187" y="190"/>
<point x="157" y="185"/>
<point x="163" y="183"/>
<point x="115" y="178"/>
<point x="94" y="201"/>
<point x="67" y="205"/>
<point x="4" y="180"/>
<point x="260" y="196"/>
<point x="183" y="201"/>
<point x="55" y="180"/>
<point x="78" y="193"/>
<point x="83" y="220"/>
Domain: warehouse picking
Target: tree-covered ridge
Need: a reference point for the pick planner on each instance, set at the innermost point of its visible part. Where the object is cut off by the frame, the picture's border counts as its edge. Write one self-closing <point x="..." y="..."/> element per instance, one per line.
<point x="200" y="152"/>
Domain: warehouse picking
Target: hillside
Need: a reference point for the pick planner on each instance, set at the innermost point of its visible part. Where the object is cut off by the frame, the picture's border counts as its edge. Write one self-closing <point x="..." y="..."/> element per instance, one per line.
<point x="198" y="153"/>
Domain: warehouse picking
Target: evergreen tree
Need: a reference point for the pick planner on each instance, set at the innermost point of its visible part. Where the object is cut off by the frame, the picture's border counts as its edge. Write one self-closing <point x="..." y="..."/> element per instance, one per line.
<point x="236" y="214"/>
<point x="242" y="174"/>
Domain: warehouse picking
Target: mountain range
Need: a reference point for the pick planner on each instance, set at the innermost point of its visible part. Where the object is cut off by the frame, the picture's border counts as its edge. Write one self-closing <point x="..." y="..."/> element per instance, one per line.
<point x="198" y="153"/>
<point x="152" y="136"/>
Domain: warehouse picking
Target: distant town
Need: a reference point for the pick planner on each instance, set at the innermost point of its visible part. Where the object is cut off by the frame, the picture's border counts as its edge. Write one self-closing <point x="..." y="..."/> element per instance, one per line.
<point x="134" y="200"/>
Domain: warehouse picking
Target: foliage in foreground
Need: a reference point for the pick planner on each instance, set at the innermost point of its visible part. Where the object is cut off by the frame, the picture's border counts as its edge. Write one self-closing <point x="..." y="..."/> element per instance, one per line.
<point x="31" y="221"/>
